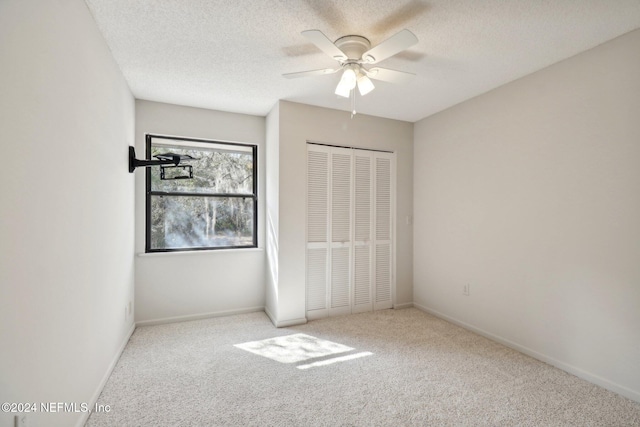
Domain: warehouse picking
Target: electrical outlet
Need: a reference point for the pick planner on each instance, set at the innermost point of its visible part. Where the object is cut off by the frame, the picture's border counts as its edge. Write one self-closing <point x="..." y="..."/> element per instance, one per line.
<point x="465" y="289"/>
<point x="21" y="420"/>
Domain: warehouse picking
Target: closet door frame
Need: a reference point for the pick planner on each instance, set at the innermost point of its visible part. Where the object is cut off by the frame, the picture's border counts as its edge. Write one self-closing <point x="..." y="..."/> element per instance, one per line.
<point x="327" y="310"/>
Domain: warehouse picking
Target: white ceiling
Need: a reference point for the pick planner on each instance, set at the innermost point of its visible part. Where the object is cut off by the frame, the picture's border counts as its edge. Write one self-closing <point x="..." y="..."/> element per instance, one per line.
<point x="230" y="55"/>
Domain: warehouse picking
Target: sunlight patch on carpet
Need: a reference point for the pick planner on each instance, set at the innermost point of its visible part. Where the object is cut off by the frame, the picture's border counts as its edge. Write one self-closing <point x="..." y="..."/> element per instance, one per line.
<point x="335" y="360"/>
<point x="293" y="348"/>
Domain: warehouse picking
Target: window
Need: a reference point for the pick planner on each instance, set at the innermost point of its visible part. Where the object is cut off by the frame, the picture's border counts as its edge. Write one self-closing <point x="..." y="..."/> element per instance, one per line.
<point x="206" y="203"/>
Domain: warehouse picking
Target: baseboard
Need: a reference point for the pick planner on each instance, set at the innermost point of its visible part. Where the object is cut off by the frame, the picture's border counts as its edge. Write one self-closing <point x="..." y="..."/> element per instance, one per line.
<point x="200" y="316"/>
<point x="271" y="316"/>
<point x="92" y="403"/>
<point x="595" y="379"/>
<point x="401" y="306"/>
<point x="290" y="322"/>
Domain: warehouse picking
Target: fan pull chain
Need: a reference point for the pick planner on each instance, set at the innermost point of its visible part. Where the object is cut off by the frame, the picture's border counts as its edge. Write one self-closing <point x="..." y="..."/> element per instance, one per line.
<point x="353" y="103"/>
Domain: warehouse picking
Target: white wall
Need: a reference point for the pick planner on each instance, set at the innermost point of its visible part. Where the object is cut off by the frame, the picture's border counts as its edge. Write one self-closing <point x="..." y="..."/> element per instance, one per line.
<point x="300" y="123"/>
<point x="66" y="215"/>
<point x="189" y="285"/>
<point x="531" y="194"/>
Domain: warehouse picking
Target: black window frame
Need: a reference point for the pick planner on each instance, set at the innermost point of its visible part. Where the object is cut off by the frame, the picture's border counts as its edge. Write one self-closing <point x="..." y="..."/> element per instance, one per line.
<point x="149" y="193"/>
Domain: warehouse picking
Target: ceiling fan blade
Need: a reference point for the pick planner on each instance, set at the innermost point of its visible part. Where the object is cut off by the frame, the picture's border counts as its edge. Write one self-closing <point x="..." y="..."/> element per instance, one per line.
<point x="311" y="73"/>
<point x="387" y="75"/>
<point x="394" y="44"/>
<point x="318" y="38"/>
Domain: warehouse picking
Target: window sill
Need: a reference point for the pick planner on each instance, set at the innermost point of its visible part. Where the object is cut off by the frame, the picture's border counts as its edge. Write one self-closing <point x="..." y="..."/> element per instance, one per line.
<point x="203" y="252"/>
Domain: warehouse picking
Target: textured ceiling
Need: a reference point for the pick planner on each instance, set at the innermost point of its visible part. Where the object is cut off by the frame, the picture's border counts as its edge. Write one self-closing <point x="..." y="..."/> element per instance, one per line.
<point x="230" y="55"/>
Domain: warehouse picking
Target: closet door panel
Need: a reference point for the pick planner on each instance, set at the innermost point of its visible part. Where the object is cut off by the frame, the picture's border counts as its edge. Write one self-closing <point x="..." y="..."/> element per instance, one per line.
<point x="317" y="267"/>
<point x="341" y="229"/>
<point x="362" y="291"/>
<point x="317" y="257"/>
<point x="318" y="196"/>
<point x="340" y="196"/>
<point x="383" y="244"/>
<point x="363" y="218"/>
<point x="383" y="276"/>
<point x="340" y="281"/>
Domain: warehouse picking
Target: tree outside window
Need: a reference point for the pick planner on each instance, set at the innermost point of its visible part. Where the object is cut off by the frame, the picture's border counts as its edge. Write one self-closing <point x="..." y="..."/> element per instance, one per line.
<point x="214" y="208"/>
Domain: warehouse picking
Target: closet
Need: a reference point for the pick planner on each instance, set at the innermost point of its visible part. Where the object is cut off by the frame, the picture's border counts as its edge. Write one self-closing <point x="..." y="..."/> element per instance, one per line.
<point x="350" y="245"/>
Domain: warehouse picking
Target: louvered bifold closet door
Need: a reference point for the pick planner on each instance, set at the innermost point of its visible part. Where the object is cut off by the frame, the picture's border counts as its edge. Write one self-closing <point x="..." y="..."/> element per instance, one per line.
<point x="340" y="220"/>
<point x="318" y="204"/>
<point x="383" y="228"/>
<point x="362" y="231"/>
<point x="350" y="222"/>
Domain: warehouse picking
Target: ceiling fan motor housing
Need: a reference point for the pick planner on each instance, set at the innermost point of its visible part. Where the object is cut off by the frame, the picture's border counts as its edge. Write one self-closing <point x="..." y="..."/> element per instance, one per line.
<point x="353" y="47"/>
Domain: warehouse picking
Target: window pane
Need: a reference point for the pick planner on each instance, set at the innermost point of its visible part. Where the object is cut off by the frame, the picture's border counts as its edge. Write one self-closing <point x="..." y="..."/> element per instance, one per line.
<point x="194" y="222"/>
<point x="215" y="170"/>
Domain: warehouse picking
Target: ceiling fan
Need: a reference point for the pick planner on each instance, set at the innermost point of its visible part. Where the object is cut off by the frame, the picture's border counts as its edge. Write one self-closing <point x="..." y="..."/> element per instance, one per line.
<point x="354" y="53"/>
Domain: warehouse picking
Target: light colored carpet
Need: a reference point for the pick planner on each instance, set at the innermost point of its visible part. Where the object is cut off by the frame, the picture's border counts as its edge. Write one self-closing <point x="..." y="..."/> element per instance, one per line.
<point x="422" y="371"/>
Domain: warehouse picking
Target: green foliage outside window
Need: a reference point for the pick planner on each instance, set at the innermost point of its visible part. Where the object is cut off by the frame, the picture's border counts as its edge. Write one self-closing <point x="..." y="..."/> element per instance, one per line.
<point x="214" y="209"/>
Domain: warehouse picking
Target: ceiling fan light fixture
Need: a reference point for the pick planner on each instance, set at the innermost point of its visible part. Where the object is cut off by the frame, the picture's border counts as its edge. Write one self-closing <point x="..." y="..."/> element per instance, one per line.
<point x="342" y="91"/>
<point x="365" y="85"/>
<point x="349" y="77"/>
<point x="347" y="81"/>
